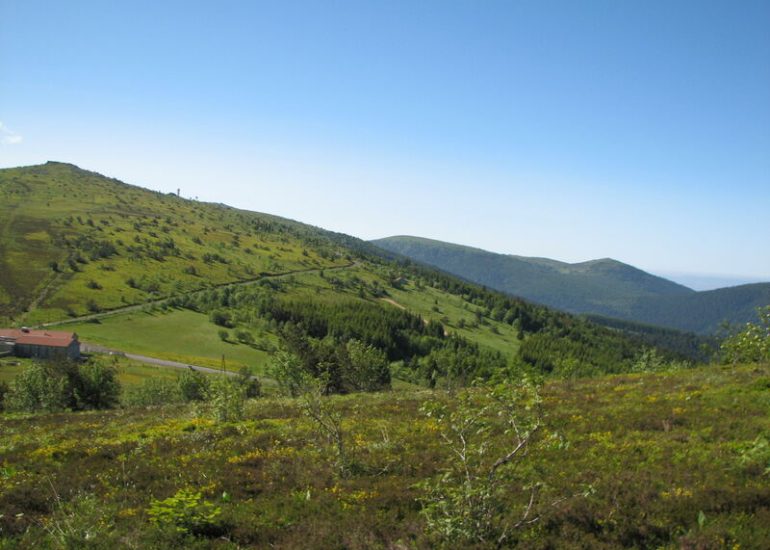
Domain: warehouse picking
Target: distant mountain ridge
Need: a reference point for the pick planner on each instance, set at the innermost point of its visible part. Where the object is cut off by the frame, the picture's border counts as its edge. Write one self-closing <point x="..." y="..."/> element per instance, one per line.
<point x="604" y="287"/>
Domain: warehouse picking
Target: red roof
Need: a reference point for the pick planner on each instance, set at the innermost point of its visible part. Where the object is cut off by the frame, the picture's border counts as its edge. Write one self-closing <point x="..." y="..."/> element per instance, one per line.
<point x="50" y="338"/>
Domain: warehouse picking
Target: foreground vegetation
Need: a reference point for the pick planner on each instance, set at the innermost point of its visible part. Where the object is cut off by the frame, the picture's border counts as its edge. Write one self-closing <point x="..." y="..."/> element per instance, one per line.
<point x="675" y="459"/>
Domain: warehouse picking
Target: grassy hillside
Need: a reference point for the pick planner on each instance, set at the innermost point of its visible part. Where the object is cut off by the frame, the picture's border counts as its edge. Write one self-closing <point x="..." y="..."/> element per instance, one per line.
<point x="601" y="287"/>
<point x="188" y="329"/>
<point x="674" y="460"/>
<point x="155" y="274"/>
<point x="74" y="242"/>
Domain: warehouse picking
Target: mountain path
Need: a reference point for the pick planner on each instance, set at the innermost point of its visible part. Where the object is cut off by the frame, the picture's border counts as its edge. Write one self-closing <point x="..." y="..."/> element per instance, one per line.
<point x="136" y="307"/>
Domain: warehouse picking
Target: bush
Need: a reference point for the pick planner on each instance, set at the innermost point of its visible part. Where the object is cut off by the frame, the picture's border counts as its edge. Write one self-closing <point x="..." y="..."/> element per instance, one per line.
<point x="486" y="493"/>
<point x="367" y="369"/>
<point x="752" y="344"/>
<point x="221" y="318"/>
<point x="153" y="392"/>
<point x="186" y="512"/>
<point x="4" y="389"/>
<point x="249" y="382"/>
<point x="244" y="337"/>
<point x="289" y="372"/>
<point x="193" y="386"/>
<point x="223" y="334"/>
<point x="228" y="398"/>
<point x="81" y="522"/>
<point x="58" y="386"/>
<point x="97" y="387"/>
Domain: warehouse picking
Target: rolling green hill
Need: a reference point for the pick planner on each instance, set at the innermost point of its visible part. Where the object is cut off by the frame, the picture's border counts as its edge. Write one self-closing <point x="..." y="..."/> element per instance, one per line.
<point x="73" y="242"/>
<point x="155" y="274"/>
<point x="603" y="287"/>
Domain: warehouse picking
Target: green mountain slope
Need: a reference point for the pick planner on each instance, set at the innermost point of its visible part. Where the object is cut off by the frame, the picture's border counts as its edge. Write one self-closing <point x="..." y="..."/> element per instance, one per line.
<point x="152" y="273"/>
<point x="73" y="241"/>
<point x="704" y="312"/>
<point x="602" y="287"/>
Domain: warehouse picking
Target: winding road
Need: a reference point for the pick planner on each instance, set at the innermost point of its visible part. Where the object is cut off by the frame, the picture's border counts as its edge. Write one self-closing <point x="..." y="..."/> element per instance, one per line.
<point x="137" y="307"/>
<point x="87" y="348"/>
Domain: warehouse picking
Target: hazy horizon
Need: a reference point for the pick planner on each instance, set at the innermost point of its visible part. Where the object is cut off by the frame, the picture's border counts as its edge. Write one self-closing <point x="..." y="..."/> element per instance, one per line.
<point x="637" y="131"/>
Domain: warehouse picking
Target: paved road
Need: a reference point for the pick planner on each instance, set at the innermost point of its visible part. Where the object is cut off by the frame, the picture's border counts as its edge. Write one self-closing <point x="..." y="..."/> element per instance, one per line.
<point x="85" y="347"/>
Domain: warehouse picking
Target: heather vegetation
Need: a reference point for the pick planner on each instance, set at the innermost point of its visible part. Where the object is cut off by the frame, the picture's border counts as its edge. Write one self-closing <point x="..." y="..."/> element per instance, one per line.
<point x="675" y="459"/>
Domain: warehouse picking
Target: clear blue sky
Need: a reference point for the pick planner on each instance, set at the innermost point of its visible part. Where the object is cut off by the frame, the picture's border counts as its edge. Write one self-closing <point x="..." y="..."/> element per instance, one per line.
<point x="638" y="130"/>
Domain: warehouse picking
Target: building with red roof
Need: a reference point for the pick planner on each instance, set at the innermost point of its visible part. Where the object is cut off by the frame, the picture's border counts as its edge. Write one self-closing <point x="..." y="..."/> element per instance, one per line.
<point x="41" y="344"/>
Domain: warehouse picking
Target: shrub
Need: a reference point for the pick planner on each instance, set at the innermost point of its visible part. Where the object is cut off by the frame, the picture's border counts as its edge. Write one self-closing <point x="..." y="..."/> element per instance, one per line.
<point x="39" y="388"/>
<point x="487" y="491"/>
<point x="97" y="387"/>
<point x="4" y="389"/>
<point x="752" y="344"/>
<point x="221" y="318"/>
<point x="81" y="522"/>
<point x="289" y="372"/>
<point x="153" y="392"/>
<point x="649" y="360"/>
<point x="55" y="386"/>
<point x="223" y="335"/>
<point x="228" y="398"/>
<point x="193" y="386"/>
<point x="328" y="424"/>
<point x="186" y="512"/>
<point x="367" y="369"/>
<point x="249" y="382"/>
<point x="244" y="337"/>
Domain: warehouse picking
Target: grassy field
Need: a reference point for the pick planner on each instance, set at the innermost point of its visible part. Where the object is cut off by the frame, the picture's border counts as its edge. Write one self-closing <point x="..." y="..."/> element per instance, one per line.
<point x="176" y="335"/>
<point x="677" y="460"/>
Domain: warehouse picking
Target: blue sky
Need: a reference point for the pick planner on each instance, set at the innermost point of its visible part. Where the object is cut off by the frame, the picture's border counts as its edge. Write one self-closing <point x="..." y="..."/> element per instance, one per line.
<point x="572" y="130"/>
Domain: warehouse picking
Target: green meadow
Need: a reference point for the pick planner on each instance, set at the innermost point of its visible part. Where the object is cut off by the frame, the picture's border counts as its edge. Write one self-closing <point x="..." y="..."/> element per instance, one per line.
<point x="176" y="335"/>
